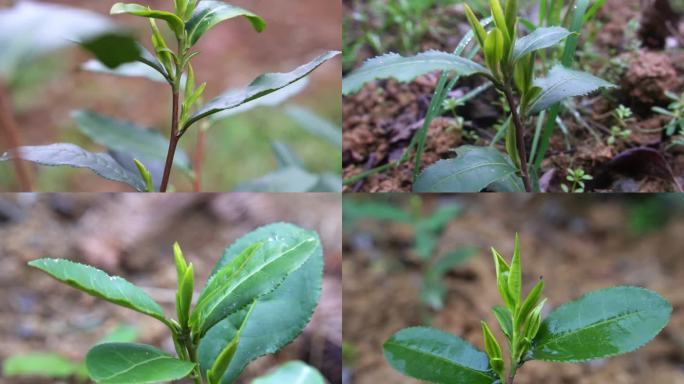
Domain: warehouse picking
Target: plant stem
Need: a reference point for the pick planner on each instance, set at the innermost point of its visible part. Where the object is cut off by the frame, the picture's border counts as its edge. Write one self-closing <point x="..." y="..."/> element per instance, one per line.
<point x="519" y="137"/>
<point x="11" y="133"/>
<point x="173" y="142"/>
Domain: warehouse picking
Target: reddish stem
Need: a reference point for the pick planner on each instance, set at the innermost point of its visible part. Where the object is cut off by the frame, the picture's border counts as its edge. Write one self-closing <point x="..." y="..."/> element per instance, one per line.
<point x="11" y="133"/>
<point x="173" y="143"/>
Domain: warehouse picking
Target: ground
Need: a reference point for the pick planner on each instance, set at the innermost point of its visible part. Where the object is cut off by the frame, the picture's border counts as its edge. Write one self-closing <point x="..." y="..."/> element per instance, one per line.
<point x="131" y="235"/>
<point x="574" y="244"/>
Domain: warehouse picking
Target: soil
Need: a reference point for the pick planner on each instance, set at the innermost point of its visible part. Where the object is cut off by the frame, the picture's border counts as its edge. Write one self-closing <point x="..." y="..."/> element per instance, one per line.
<point x="131" y="235"/>
<point x="377" y="119"/>
<point x="574" y="244"/>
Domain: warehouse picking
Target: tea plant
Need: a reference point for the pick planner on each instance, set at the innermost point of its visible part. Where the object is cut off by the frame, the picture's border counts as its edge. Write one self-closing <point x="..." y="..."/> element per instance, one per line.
<point x="259" y="297"/>
<point x="428" y="229"/>
<point x="509" y="64"/>
<point x="603" y="323"/>
<point x="119" y="54"/>
<point x="577" y="177"/>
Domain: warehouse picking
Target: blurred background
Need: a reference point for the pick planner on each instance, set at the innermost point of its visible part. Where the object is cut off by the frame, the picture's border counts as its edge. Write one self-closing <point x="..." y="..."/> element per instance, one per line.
<point x="411" y="260"/>
<point x="46" y="90"/>
<point x="131" y="235"/>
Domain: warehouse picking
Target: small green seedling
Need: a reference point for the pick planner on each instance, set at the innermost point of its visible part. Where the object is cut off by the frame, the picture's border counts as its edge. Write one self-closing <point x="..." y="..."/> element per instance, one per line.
<point x="143" y="158"/>
<point x="428" y="229"/>
<point x="259" y="297"/>
<point x="675" y="110"/>
<point x="619" y="131"/>
<point x="603" y="323"/>
<point x="510" y="64"/>
<point x="577" y="177"/>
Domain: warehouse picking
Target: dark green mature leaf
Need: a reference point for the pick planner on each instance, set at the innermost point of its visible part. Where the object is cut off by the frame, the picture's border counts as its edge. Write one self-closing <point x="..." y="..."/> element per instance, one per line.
<point x="293" y="372"/>
<point x="475" y="169"/>
<point x="438" y="357"/>
<point x="26" y="33"/>
<point x="290" y="179"/>
<point x="211" y="12"/>
<point x="99" y="284"/>
<point x="562" y="83"/>
<point x="260" y="87"/>
<point x="74" y="156"/>
<point x="133" y="364"/>
<point x="143" y="144"/>
<point x="174" y="22"/>
<point x="602" y="323"/>
<point x="316" y="125"/>
<point x="294" y="301"/>
<point x="113" y="49"/>
<point x="137" y="69"/>
<point x="40" y="364"/>
<point x="256" y="272"/>
<point x="541" y="38"/>
<point x="406" y="69"/>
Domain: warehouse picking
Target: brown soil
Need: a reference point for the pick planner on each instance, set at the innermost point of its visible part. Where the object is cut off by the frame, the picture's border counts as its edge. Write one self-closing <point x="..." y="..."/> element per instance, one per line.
<point x="575" y="244"/>
<point x="131" y="235"/>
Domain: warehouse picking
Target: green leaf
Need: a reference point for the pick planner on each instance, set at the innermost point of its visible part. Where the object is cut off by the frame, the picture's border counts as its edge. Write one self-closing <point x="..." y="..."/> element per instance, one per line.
<point x="293" y="372"/>
<point x="137" y="69"/>
<point x="442" y="216"/>
<point x="99" y="284"/>
<point x="271" y="100"/>
<point x="541" y="38"/>
<point x="113" y="49"/>
<point x="74" y="156"/>
<point x="505" y="319"/>
<point x="374" y="209"/>
<point x="316" y="125"/>
<point x="405" y="69"/>
<point x="174" y="22"/>
<point x="285" y="156"/>
<point x="475" y="169"/>
<point x="146" y="175"/>
<point x="260" y="87"/>
<point x="134" y="363"/>
<point x="26" y="33"/>
<point x="562" y="83"/>
<point x="260" y="270"/>
<point x="436" y="356"/>
<point x="145" y="145"/>
<point x="494" y="49"/>
<point x="475" y="25"/>
<point x="602" y="323"/>
<point x="40" y="364"/>
<point x="530" y="302"/>
<point x="211" y="12"/>
<point x="515" y="274"/>
<point x="294" y="301"/>
<point x="290" y="179"/>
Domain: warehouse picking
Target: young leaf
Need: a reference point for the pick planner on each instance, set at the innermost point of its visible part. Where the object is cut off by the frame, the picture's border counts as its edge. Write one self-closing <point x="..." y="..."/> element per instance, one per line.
<point x="294" y="301"/>
<point x="492" y="347"/>
<point x="405" y="69"/>
<point x="145" y="174"/>
<point x="273" y="99"/>
<point x="294" y="372"/>
<point x="436" y="356"/>
<point x="113" y="49"/>
<point x="134" y="363"/>
<point x="223" y="360"/>
<point x="562" y="83"/>
<point x="260" y="87"/>
<point x="186" y="288"/>
<point x="502" y="273"/>
<point x="499" y="18"/>
<point x="175" y="23"/>
<point x="211" y="12"/>
<point x="512" y="18"/>
<point x="99" y="284"/>
<point x="541" y="38"/>
<point x="475" y="169"/>
<point x="259" y="271"/>
<point x="494" y="50"/>
<point x="505" y="319"/>
<point x="475" y="25"/>
<point x="515" y="274"/>
<point x="144" y="144"/>
<point x="74" y="156"/>
<point x="602" y="323"/>
<point x="530" y="302"/>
